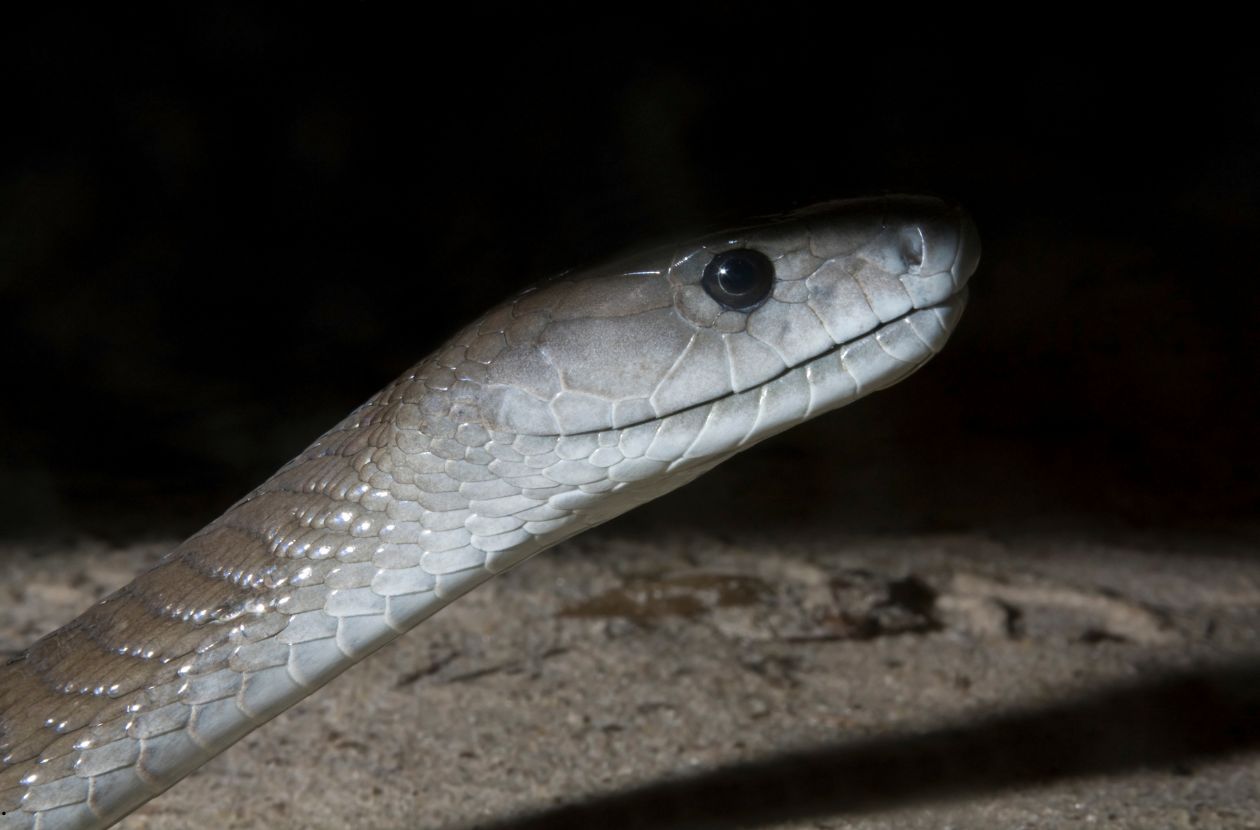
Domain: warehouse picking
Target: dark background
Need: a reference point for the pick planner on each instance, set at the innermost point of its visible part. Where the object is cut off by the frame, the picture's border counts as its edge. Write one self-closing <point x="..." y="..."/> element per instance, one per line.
<point x="221" y="232"/>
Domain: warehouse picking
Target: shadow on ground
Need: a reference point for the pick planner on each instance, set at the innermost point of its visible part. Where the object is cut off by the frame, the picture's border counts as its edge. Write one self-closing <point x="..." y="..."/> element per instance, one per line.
<point x="1175" y="721"/>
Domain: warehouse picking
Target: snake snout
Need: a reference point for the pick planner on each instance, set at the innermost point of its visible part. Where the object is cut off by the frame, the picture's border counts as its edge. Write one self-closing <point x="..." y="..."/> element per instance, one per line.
<point x="937" y="250"/>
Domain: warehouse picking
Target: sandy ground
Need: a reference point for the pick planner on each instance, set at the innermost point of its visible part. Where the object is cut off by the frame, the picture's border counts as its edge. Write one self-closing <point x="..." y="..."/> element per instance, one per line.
<point x="633" y="679"/>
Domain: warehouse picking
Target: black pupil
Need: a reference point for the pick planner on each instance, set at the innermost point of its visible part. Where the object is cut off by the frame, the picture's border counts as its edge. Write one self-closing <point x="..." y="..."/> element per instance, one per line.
<point x="738" y="276"/>
<point x="740" y="280"/>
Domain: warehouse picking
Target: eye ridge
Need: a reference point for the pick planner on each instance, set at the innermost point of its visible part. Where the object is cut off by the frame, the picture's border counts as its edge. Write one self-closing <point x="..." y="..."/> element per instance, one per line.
<point x="739" y="279"/>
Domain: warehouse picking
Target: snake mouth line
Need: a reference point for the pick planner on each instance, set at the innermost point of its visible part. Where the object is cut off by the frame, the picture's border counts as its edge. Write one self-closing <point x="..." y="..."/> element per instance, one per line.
<point x="955" y="300"/>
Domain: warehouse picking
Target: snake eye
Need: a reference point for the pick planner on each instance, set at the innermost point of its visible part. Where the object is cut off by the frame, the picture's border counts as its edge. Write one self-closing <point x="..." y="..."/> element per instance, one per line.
<point x="740" y="279"/>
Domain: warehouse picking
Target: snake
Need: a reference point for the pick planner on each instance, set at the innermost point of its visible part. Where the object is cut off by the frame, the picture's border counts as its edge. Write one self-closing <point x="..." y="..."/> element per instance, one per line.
<point x="572" y="402"/>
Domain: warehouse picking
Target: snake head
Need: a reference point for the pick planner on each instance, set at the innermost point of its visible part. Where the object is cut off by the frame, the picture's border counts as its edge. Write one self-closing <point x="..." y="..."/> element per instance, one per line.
<point x="869" y="288"/>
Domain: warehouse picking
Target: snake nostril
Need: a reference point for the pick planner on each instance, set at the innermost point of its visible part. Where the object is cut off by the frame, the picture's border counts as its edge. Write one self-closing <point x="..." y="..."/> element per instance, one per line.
<point x="739" y="280"/>
<point x="912" y="247"/>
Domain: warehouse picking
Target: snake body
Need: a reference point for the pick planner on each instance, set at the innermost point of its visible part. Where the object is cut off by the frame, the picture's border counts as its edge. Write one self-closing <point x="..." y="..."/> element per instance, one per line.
<point x="571" y="403"/>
